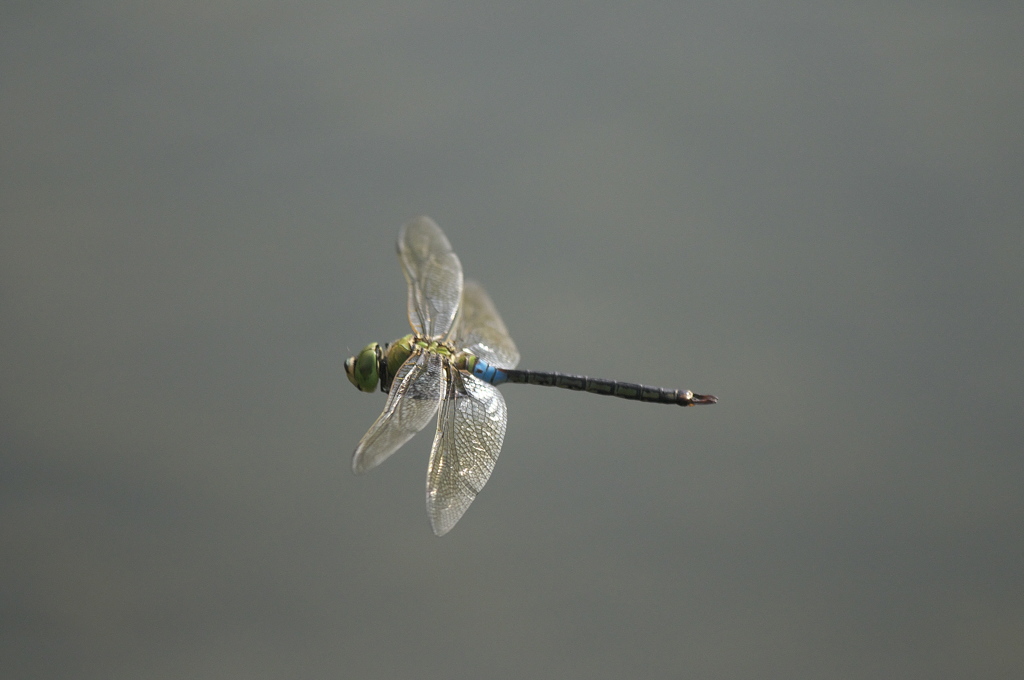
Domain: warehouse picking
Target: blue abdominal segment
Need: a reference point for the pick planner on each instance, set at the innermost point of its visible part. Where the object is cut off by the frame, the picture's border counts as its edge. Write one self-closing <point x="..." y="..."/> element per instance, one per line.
<point x="488" y="373"/>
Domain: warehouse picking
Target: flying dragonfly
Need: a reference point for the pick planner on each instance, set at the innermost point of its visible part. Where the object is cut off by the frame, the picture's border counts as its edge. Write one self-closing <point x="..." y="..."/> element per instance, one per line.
<point x="449" y="365"/>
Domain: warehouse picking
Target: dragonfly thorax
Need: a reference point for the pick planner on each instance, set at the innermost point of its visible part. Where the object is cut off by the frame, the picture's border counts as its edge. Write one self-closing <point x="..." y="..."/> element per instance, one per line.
<point x="379" y="364"/>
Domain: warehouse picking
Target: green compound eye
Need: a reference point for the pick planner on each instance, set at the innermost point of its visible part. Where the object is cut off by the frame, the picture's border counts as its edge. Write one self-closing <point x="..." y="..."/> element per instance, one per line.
<point x="362" y="368"/>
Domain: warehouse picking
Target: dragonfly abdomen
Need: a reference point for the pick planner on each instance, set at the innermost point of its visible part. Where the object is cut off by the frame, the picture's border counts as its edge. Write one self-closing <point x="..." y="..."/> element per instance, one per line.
<point x="582" y="383"/>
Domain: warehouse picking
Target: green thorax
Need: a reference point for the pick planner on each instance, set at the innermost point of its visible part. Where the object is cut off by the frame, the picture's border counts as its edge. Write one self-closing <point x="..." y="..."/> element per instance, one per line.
<point x="377" y="364"/>
<point x="397" y="352"/>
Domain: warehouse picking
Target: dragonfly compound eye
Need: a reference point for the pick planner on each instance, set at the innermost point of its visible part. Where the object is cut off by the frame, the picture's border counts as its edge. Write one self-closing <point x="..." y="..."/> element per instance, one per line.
<point x="362" y="368"/>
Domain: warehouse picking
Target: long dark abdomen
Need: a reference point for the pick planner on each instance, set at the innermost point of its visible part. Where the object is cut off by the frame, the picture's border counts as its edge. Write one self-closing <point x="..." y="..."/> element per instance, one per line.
<point x="613" y="388"/>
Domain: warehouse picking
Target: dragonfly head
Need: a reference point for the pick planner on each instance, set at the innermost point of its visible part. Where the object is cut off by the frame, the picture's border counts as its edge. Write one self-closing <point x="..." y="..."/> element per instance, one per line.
<point x="362" y="369"/>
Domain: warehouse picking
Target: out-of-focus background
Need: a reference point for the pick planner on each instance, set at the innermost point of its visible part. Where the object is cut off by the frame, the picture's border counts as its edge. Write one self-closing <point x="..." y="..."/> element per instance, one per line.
<point x="812" y="210"/>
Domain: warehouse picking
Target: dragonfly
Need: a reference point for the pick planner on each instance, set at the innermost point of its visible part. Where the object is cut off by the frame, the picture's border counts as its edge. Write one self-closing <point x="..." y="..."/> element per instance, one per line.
<point x="450" y="365"/>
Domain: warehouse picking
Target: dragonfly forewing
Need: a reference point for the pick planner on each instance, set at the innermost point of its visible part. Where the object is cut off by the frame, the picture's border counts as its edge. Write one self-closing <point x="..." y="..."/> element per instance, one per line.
<point x="470" y="428"/>
<point x="411" y="404"/>
<point x="480" y="330"/>
<point x="434" y="275"/>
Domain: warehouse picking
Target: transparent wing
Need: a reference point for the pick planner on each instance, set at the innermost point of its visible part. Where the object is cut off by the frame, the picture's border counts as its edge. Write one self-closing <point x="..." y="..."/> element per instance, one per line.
<point x="470" y="429"/>
<point x="434" y="275"/>
<point x="481" y="331"/>
<point x="410" y="406"/>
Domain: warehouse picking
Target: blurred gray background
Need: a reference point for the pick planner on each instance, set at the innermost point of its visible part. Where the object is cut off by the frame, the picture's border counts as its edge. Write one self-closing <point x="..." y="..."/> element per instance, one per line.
<point x="812" y="210"/>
